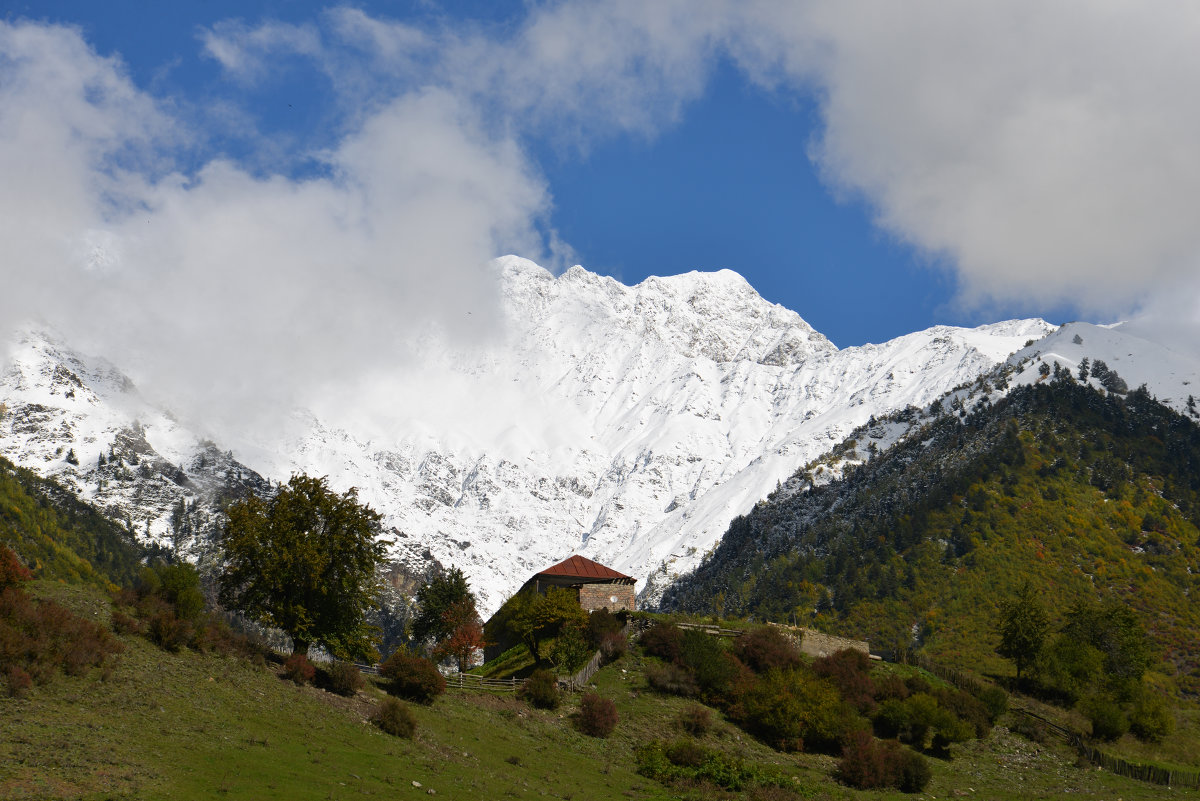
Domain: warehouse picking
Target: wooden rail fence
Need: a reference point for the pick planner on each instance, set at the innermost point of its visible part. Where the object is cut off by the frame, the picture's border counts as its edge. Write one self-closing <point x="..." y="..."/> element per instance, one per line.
<point x="1154" y="774"/>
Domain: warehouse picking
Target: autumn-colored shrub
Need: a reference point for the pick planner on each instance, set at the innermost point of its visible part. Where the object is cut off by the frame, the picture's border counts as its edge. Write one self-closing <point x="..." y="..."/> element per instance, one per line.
<point x="597" y="715"/>
<point x="695" y="720"/>
<point x="39" y="638"/>
<point x="345" y="679"/>
<point x="766" y="648"/>
<point x="126" y="624"/>
<point x="413" y="677"/>
<point x="12" y="572"/>
<point x="868" y="763"/>
<point x="848" y="670"/>
<point x="297" y="668"/>
<point x="672" y="679"/>
<point x="167" y="630"/>
<point x="541" y="690"/>
<point x="395" y="718"/>
<point x="18" y="681"/>
<point x="663" y="640"/>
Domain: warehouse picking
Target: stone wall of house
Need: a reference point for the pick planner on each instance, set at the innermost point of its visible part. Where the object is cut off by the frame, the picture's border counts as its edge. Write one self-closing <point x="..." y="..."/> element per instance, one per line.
<point x="816" y="643"/>
<point x="600" y="596"/>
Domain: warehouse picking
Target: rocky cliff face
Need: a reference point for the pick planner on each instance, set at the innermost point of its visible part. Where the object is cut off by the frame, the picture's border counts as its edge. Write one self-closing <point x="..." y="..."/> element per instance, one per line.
<point x="629" y="424"/>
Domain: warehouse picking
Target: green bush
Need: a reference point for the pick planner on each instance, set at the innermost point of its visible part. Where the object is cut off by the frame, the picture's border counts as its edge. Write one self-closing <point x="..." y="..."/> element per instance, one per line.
<point x="686" y="753"/>
<point x="395" y="718"/>
<point x="413" y="677"/>
<point x="345" y="679"/>
<point x="597" y="715"/>
<point x="794" y="710"/>
<point x="1107" y="718"/>
<point x="1151" y="720"/>
<point x="541" y="690"/>
<point x="705" y="656"/>
<point x="600" y="623"/>
<point x="995" y="700"/>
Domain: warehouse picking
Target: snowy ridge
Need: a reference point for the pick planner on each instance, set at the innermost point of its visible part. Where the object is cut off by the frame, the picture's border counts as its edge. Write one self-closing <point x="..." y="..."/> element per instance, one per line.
<point x="1171" y="375"/>
<point x="628" y="424"/>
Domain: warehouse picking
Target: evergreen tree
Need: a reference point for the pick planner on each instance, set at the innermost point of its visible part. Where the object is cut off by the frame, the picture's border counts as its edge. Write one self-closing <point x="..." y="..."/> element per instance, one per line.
<point x="1023" y="625"/>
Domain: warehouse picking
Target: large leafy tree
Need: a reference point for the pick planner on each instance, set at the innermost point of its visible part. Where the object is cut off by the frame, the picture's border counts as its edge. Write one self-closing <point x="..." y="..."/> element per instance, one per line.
<point x="305" y="561"/>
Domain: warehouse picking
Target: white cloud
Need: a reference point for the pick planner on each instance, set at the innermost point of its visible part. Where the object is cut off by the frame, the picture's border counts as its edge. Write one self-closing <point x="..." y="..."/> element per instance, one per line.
<point x="1045" y="150"/>
<point x="232" y="293"/>
<point x="1042" y="151"/>
<point x="245" y="51"/>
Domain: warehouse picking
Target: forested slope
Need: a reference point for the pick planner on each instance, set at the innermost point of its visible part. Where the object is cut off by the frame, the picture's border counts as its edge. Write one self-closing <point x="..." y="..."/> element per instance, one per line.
<point x="1088" y="495"/>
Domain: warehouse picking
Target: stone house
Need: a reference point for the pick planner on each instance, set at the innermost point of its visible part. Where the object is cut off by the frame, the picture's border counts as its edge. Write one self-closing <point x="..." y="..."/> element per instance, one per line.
<point x="596" y="586"/>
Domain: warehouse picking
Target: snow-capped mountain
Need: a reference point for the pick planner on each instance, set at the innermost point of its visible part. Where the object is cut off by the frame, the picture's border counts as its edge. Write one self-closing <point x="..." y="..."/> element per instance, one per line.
<point x="629" y="424"/>
<point x="1111" y="358"/>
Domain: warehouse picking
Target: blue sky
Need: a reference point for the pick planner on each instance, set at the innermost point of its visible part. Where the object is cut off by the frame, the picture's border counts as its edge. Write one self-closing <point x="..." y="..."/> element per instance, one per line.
<point x="218" y="169"/>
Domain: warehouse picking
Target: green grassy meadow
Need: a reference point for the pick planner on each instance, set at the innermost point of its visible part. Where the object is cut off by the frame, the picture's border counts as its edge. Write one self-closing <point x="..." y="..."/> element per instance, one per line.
<point x="155" y="724"/>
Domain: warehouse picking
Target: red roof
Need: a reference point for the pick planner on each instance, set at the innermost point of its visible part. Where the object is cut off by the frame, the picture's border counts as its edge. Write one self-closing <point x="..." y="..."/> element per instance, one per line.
<point x="581" y="567"/>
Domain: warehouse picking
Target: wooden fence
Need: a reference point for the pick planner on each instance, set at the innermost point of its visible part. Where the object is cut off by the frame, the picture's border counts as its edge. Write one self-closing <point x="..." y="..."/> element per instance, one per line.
<point x="716" y="631"/>
<point x="585" y="673"/>
<point x="1154" y="774"/>
<point x="471" y="681"/>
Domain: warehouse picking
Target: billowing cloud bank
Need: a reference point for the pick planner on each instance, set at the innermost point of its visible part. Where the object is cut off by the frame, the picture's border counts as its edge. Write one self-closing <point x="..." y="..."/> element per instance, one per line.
<point x="1043" y="151"/>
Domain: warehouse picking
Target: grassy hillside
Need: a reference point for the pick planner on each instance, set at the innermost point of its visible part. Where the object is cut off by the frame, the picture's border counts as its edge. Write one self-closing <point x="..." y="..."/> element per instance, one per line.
<point x="1087" y="496"/>
<point x="154" y="724"/>
<point x="59" y="536"/>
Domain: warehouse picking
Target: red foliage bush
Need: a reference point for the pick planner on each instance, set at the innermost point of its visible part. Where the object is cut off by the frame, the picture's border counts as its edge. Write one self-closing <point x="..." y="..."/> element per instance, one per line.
<point x="18" y="681"/>
<point x="848" y="670"/>
<point x="12" y="572"/>
<point x="413" y="678"/>
<point x="597" y="715"/>
<point x="695" y="720"/>
<point x="765" y="648"/>
<point x="663" y="640"/>
<point x="40" y="637"/>
<point x="868" y="763"/>
<point x="298" y="669"/>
